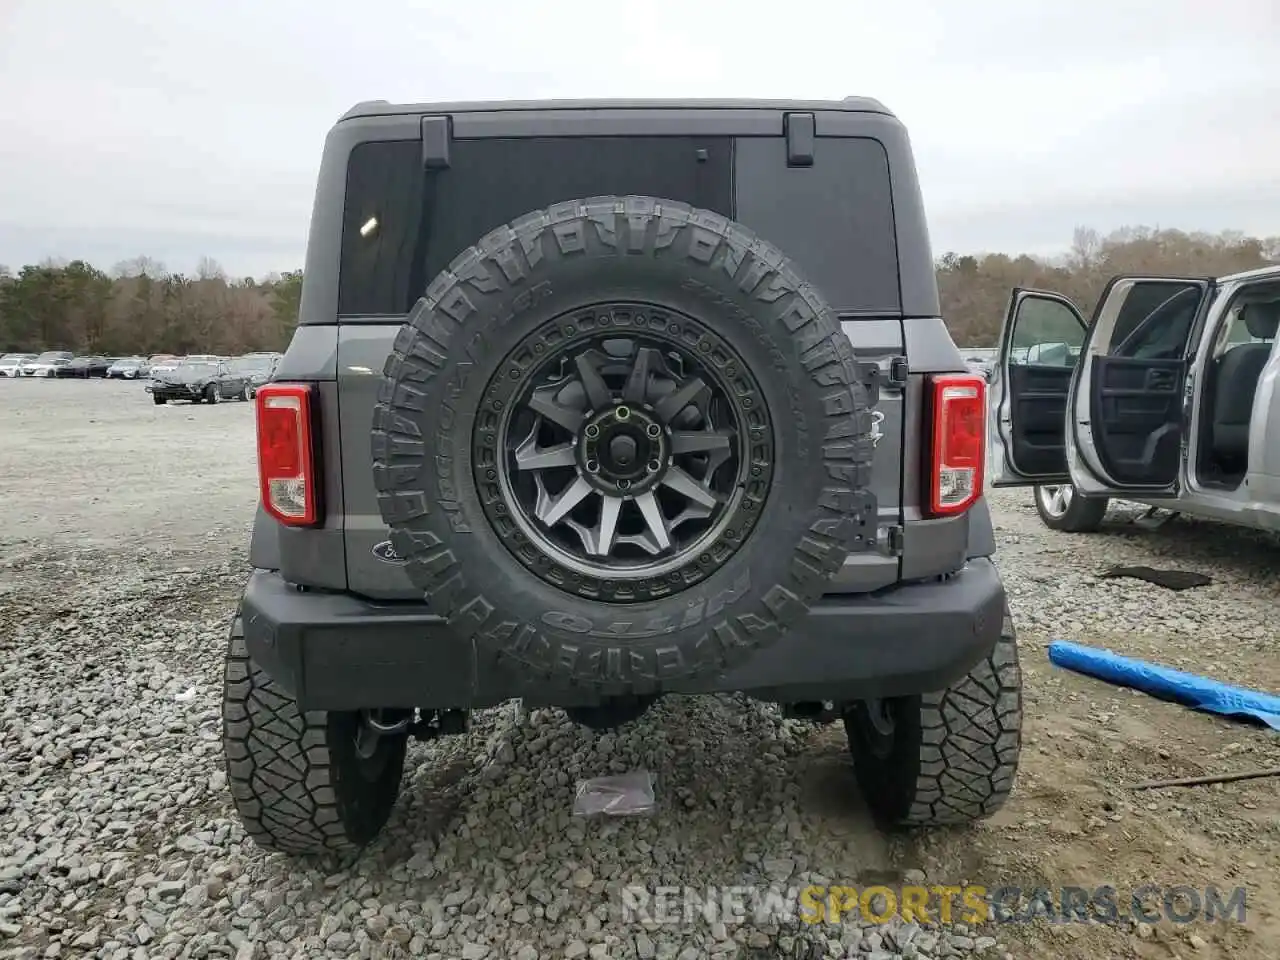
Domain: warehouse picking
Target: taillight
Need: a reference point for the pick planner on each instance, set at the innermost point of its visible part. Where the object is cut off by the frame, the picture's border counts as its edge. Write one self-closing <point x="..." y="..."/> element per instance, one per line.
<point x="286" y="461"/>
<point x="959" y="446"/>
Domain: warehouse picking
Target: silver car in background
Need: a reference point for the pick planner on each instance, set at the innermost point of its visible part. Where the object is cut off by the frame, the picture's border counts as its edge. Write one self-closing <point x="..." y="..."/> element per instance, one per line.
<point x="47" y="363"/>
<point x="128" y="368"/>
<point x="11" y="363"/>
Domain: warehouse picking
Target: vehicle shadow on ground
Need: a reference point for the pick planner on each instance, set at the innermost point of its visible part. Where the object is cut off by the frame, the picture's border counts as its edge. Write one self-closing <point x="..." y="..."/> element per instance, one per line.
<point x="733" y="781"/>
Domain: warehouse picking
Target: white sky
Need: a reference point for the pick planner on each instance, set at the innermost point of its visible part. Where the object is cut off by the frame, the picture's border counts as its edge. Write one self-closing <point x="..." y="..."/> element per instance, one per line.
<point x="178" y="129"/>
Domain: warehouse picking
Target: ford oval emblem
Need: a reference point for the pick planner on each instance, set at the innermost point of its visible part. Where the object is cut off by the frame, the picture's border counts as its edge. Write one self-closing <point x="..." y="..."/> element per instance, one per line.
<point x="385" y="552"/>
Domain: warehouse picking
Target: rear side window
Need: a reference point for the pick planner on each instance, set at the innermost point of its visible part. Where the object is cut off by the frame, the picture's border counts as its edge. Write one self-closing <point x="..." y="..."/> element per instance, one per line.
<point x="402" y="224"/>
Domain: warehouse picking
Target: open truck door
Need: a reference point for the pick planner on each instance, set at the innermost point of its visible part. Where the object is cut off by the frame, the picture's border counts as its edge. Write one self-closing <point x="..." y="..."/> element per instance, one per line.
<point x="1130" y="404"/>
<point x="1101" y="406"/>
<point x="1040" y="344"/>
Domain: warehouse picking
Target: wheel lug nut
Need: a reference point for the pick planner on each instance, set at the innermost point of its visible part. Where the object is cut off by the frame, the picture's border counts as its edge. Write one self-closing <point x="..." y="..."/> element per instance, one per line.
<point x="593" y="466"/>
<point x="654" y="466"/>
<point x="592" y="431"/>
<point x="653" y="430"/>
<point x="623" y="484"/>
<point x="623" y="413"/>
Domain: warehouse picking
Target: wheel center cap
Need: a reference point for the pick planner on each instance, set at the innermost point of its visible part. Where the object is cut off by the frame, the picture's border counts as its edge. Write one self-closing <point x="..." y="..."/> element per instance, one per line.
<point x="622" y="449"/>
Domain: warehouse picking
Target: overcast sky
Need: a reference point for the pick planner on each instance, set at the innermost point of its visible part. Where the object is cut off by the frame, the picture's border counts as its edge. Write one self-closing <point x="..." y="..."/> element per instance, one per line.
<point x="178" y="129"/>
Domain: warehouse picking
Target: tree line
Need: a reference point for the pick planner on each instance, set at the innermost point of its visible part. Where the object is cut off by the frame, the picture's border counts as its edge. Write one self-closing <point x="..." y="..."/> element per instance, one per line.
<point x="139" y="307"/>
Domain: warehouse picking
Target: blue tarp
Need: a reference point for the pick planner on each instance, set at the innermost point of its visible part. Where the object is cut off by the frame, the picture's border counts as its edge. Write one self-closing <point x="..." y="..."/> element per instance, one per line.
<point x="1167" y="683"/>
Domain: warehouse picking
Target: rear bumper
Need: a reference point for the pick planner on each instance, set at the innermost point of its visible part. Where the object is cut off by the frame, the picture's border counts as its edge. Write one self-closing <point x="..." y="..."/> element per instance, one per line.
<point x="340" y="652"/>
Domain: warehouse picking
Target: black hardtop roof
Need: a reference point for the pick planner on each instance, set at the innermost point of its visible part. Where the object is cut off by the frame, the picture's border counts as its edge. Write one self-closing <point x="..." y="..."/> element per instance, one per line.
<point x="383" y="108"/>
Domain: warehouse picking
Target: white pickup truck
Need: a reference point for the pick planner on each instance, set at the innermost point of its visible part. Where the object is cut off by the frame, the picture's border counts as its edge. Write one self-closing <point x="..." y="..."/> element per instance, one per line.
<point x="1169" y="396"/>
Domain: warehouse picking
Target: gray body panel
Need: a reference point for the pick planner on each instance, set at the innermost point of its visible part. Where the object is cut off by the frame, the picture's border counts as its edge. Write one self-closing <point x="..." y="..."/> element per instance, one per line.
<point x="898" y="318"/>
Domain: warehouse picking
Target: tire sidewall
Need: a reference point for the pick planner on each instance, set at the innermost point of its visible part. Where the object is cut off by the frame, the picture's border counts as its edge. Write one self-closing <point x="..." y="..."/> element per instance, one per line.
<point x="821" y="433"/>
<point x="1084" y="514"/>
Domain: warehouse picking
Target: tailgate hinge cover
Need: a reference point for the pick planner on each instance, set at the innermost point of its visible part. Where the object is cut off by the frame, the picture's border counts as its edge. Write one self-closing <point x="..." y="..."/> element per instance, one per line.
<point x="801" y="131"/>
<point x="436" y="135"/>
<point x="870" y="375"/>
<point x="890" y="540"/>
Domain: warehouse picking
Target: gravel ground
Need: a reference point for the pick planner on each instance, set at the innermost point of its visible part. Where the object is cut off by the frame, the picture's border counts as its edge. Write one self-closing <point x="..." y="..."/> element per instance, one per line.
<point x="123" y="538"/>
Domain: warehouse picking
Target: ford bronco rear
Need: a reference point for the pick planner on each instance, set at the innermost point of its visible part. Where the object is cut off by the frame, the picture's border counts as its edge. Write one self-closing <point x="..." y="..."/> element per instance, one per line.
<point x="592" y="403"/>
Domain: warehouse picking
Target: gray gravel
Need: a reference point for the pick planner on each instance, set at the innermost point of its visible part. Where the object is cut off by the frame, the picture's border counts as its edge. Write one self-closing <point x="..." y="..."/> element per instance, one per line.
<point x="122" y="551"/>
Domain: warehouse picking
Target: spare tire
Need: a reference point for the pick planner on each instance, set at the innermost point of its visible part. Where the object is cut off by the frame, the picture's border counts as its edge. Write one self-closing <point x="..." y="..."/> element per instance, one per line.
<point x="620" y="442"/>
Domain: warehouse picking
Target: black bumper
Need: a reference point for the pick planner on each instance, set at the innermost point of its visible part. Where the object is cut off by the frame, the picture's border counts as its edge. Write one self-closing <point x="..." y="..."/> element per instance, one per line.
<point x="340" y="652"/>
<point x="173" y="393"/>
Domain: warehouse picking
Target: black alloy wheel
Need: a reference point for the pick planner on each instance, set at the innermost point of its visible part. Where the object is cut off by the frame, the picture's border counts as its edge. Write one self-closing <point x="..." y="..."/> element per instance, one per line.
<point x="622" y="456"/>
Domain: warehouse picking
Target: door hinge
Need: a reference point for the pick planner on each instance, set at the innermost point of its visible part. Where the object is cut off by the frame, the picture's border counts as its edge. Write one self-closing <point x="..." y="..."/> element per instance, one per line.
<point x="890" y="540"/>
<point x="898" y="372"/>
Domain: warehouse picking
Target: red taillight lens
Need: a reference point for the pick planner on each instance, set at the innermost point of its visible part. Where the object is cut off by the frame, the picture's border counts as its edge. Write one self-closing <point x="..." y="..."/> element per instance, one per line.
<point x="959" y="452"/>
<point x="286" y="463"/>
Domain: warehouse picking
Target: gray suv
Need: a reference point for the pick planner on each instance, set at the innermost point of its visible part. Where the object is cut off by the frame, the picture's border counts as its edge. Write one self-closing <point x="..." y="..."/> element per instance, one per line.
<point x="596" y="402"/>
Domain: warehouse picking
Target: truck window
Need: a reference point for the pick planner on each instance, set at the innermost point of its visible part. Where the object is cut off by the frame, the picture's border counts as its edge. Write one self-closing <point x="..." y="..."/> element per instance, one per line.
<point x="834" y="218"/>
<point x="402" y="224"/>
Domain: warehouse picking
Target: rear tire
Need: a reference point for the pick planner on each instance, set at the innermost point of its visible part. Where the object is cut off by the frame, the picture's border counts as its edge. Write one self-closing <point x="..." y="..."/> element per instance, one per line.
<point x="211" y="395"/>
<point x="297" y="781"/>
<point x="942" y="758"/>
<point x="158" y="401"/>
<point x="1061" y="507"/>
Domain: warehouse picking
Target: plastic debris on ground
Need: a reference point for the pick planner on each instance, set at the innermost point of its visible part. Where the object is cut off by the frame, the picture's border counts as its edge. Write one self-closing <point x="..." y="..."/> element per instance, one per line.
<point x="625" y="795"/>
<point x="1169" y="579"/>
<point x="1166" y="683"/>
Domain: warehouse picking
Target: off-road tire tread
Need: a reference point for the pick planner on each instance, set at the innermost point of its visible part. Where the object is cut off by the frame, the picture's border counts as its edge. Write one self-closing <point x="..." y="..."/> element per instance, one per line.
<point x="288" y="784"/>
<point x="965" y="756"/>
<point x="513" y="257"/>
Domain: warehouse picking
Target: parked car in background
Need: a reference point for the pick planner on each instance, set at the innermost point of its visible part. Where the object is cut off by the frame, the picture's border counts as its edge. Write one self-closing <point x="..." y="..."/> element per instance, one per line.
<point x="161" y="363"/>
<point x="259" y="367"/>
<point x="47" y="363"/>
<point x="128" y="368"/>
<point x="84" y="368"/>
<point x="980" y="359"/>
<point x="1169" y="396"/>
<point x="207" y="380"/>
<point x="11" y="363"/>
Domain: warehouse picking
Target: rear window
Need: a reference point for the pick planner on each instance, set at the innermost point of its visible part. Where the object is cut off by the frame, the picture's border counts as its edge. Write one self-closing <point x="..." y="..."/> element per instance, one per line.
<point x="403" y="224"/>
<point x="835" y="218"/>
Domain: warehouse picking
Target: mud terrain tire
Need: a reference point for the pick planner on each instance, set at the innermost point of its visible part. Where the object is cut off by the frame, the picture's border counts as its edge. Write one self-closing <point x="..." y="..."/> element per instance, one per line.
<point x="296" y="779"/>
<point x="569" y="278"/>
<point x="952" y="755"/>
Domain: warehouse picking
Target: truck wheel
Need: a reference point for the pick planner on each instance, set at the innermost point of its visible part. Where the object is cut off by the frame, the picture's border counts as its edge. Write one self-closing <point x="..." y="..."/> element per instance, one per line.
<point x="621" y="442"/>
<point x="1061" y="508"/>
<point x="942" y="758"/>
<point x="158" y="401"/>
<point x="298" y="782"/>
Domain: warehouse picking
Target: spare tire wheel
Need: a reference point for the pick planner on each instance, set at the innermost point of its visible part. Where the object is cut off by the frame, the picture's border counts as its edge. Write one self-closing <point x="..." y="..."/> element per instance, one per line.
<point x="621" y="442"/>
